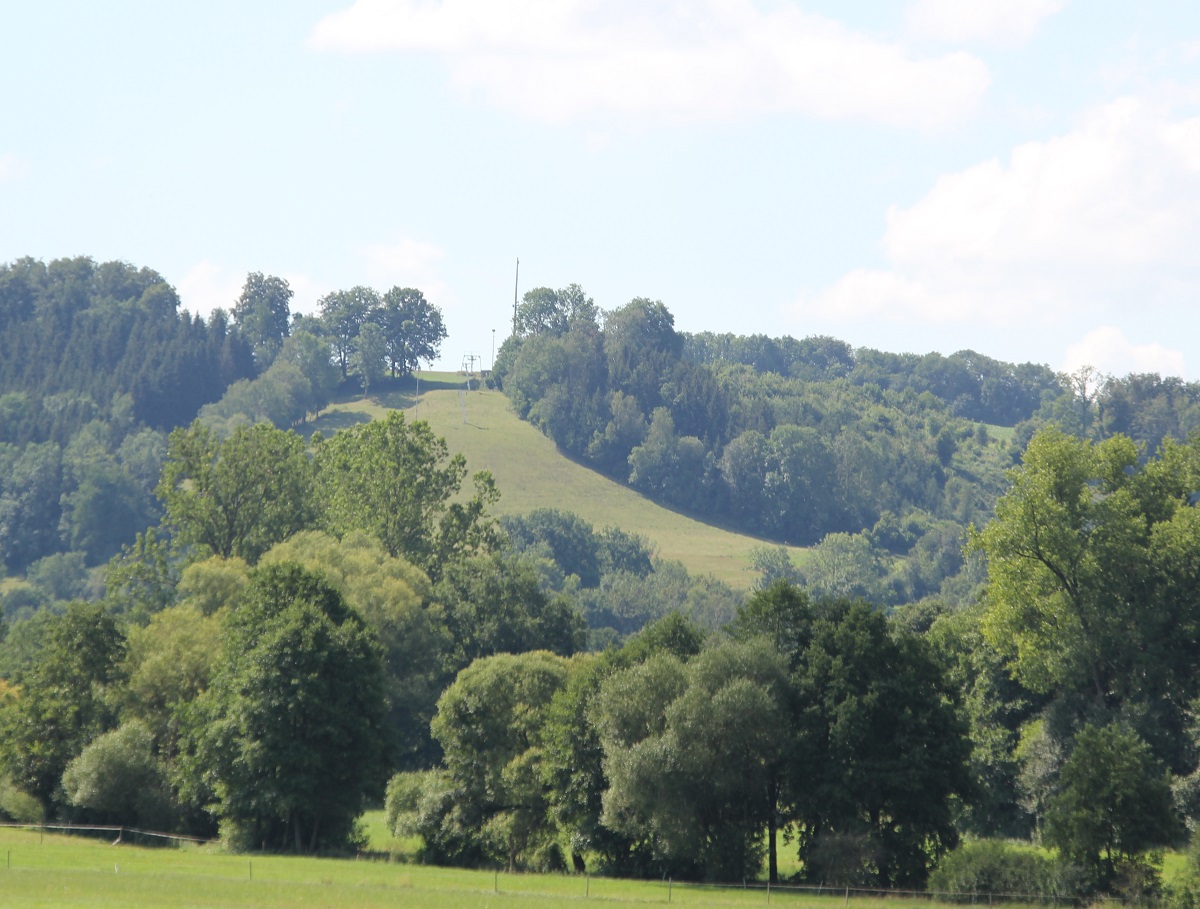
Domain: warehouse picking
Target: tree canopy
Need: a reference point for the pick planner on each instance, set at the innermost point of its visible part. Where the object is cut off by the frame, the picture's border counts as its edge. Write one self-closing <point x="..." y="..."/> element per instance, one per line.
<point x="289" y="736"/>
<point x="397" y="482"/>
<point x="1088" y="536"/>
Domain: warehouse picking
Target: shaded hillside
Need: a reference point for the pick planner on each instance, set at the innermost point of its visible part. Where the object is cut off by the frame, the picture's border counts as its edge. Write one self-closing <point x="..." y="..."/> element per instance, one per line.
<point x="831" y="445"/>
<point x="76" y="334"/>
<point x="96" y="363"/>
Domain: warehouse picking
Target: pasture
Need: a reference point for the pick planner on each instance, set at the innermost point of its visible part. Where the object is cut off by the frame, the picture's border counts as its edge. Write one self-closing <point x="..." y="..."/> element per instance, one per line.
<point x="531" y="473"/>
<point x="52" y="870"/>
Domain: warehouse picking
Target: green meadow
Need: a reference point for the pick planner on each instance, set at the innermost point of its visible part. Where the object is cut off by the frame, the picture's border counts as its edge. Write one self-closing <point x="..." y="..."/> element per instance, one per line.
<point x="531" y="473"/>
<point x="1003" y="434"/>
<point x="51" y="870"/>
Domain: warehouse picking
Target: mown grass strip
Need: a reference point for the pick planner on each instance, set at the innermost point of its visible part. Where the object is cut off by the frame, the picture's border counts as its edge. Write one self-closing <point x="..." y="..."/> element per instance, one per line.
<point x="531" y="473"/>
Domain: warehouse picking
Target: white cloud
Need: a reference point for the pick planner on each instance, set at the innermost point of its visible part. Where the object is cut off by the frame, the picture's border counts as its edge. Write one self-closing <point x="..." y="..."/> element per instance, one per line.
<point x="1003" y="22"/>
<point x="877" y="294"/>
<point x="409" y="263"/>
<point x="305" y="292"/>
<point x="396" y="262"/>
<point x="1111" y="352"/>
<point x="1101" y="219"/>
<point x="1122" y="188"/>
<point x="208" y="286"/>
<point x="710" y="59"/>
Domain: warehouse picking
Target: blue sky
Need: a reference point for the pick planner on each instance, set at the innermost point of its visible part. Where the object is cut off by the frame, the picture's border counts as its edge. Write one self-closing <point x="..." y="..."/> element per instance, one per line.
<point x="1018" y="177"/>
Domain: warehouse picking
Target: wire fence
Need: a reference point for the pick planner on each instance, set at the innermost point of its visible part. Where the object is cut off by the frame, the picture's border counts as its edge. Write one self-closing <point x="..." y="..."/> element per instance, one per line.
<point x="121" y="832"/>
<point x="975" y="898"/>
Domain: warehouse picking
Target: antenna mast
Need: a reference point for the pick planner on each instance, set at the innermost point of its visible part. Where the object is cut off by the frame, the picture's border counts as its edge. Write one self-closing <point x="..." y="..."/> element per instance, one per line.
<point x="516" y="280"/>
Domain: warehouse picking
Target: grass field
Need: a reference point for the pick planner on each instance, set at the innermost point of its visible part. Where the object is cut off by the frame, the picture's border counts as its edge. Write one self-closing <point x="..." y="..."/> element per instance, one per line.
<point x="66" y="872"/>
<point x="531" y="473"/>
<point x="380" y="838"/>
<point x="1001" y="433"/>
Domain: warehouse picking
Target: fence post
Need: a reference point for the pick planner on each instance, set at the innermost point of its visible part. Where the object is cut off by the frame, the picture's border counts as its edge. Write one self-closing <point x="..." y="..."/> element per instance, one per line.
<point x="670" y="882"/>
<point x="847" y="896"/>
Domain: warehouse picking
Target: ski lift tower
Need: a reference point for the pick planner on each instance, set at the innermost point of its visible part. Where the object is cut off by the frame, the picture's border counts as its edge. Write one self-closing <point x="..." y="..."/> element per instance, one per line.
<point x="471" y="364"/>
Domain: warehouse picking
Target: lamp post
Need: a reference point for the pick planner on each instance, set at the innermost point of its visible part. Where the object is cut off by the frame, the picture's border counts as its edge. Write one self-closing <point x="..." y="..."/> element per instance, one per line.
<point x="493" y="365"/>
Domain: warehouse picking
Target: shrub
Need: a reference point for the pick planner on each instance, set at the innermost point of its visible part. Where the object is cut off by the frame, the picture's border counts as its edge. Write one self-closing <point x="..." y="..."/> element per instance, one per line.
<point x="994" y="866"/>
<point x="17" y="806"/>
<point x="119" y="779"/>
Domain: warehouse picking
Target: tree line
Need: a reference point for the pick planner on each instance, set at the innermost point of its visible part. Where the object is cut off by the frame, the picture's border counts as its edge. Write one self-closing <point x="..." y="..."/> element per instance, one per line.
<point x="314" y="629"/>
<point x="685" y="756"/>
<point x="1059" y="708"/>
<point x="98" y="364"/>
<point x="881" y="460"/>
<point x="135" y="706"/>
<point x="357" y="338"/>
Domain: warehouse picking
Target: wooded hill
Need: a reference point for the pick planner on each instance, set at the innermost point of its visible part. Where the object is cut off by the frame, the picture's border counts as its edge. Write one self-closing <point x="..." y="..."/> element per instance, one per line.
<point x="301" y="618"/>
<point x="97" y="363"/>
<point x="879" y="460"/>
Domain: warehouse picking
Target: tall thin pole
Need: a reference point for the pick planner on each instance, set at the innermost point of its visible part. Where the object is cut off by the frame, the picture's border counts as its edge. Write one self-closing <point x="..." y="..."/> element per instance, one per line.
<point x="493" y="365"/>
<point x="516" y="280"/>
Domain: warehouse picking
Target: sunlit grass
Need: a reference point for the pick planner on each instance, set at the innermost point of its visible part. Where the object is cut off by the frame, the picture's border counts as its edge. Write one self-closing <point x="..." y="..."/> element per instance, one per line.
<point x="58" y="871"/>
<point x="1174" y="865"/>
<point x="531" y="473"/>
<point x="380" y="839"/>
<point x="1000" y="433"/>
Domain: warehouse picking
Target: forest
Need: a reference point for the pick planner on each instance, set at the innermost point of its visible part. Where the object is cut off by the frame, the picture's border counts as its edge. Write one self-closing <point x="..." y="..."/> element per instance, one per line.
<point x="214" y="624"/>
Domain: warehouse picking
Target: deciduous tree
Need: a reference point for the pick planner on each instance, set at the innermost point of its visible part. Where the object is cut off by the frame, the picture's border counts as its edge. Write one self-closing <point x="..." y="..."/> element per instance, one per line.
<point x="397" y="482"/>
<point x="239" y="496"/>
<point x="290" y="735"/>
<point x="343" y="313"/>
<point x="369" y="356"/>
<point x="393" y="597"/>
<point x="64" y="701"/>
<point x="881" y="750"/>
<point x="694" y="755"/>
<point x="262" y="312"/>
<point x="489" y="724"/>
<point x="1092" y="571"/>
<point x="412" y="328"/>
<point x="1112" y="803"/>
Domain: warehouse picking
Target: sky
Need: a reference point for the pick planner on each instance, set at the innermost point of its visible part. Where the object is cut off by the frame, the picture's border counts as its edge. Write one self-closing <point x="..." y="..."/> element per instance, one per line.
<point x="1016" y="177"/>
